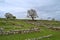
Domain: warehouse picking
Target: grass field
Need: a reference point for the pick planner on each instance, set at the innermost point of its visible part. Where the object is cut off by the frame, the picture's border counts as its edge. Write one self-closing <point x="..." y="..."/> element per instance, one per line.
<point x="25" y="24"/>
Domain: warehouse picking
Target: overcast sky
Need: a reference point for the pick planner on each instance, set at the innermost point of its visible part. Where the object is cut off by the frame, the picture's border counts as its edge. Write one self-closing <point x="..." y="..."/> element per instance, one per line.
<point x="44" y="8"/>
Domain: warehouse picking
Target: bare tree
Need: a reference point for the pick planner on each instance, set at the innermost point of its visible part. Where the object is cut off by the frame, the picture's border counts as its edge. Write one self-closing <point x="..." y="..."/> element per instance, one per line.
<point x="32" y="13"/>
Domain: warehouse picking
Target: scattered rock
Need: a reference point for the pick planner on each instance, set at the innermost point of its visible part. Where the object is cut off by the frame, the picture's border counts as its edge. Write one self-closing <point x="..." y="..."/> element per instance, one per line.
<point x="39" y="38"/>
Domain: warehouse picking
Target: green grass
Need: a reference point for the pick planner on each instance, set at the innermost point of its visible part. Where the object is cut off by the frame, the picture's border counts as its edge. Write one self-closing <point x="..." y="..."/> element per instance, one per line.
<point x="8" y="25"/>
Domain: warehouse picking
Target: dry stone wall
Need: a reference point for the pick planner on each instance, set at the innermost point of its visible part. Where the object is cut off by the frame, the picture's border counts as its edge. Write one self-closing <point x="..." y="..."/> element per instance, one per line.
<point x="23" y="31"/>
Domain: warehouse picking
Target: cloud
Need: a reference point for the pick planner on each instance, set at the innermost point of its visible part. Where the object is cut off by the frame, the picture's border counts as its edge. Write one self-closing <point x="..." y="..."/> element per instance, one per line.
<point x="51" y="10"/>
<point x="44" y="8"/>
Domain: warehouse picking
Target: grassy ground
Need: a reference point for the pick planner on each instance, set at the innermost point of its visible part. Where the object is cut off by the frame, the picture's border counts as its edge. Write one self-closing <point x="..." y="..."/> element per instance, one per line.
<point x="16" y="25"/>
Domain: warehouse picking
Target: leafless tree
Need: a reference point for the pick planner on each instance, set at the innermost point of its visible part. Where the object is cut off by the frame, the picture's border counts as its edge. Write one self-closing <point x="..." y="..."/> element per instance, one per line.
<point x="32" y="13"/>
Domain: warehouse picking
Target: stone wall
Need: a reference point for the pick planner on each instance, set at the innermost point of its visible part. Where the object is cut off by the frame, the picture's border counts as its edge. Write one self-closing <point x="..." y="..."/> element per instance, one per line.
<point x="23" y="31"/>
<point x="39" y="38"/>
<point x="54" y="28"/>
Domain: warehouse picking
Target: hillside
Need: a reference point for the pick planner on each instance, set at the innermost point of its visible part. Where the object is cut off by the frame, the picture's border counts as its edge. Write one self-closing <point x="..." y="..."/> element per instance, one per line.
<point x="46" y="28"/>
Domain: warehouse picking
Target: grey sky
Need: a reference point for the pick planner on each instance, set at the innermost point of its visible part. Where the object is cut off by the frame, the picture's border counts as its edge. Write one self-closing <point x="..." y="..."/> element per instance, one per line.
<point x="44" y="8"/>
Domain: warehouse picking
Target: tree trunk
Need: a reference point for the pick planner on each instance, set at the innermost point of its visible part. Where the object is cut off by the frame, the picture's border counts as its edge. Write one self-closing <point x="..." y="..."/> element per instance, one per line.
<point x="33" y="18"/>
